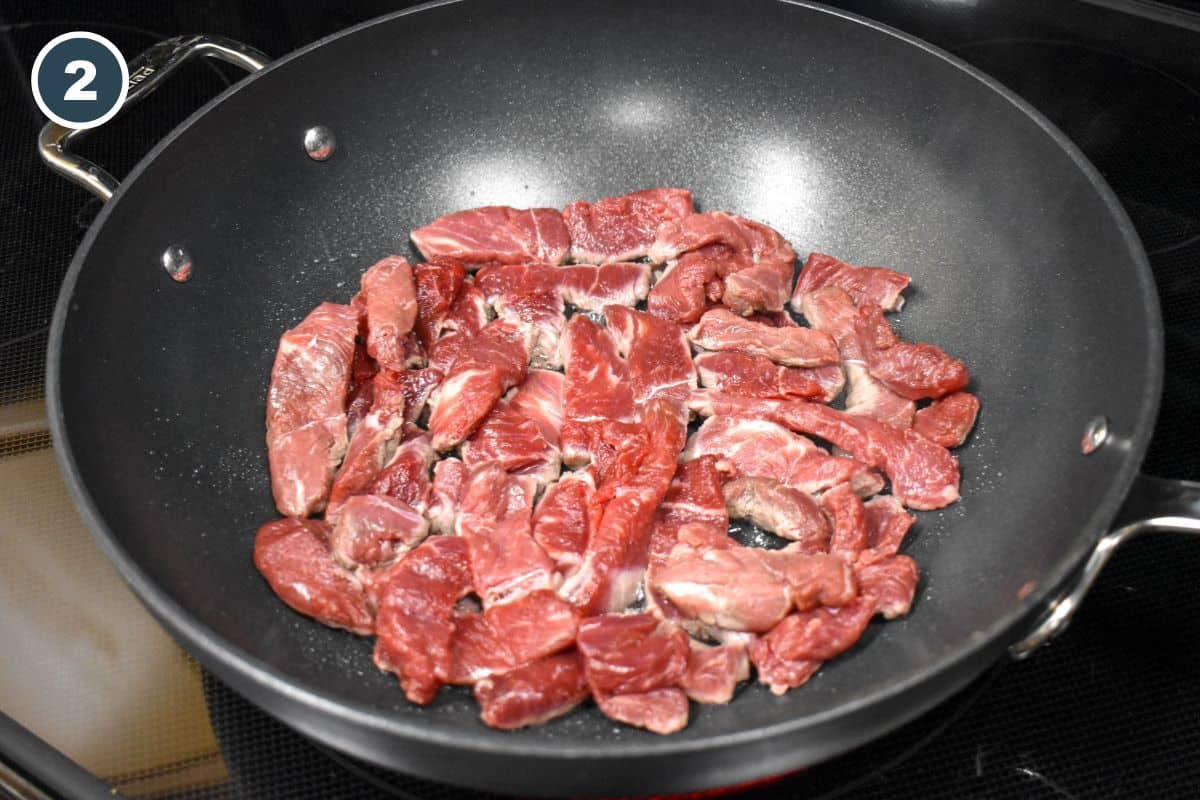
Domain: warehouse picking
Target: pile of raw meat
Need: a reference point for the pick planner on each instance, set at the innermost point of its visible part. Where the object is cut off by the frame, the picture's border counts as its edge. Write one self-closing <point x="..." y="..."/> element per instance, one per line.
<point x="498" y="439"/>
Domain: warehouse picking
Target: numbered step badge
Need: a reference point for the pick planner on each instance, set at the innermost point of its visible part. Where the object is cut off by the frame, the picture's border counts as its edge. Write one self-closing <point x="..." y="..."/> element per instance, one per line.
<point x="80" y="80"/>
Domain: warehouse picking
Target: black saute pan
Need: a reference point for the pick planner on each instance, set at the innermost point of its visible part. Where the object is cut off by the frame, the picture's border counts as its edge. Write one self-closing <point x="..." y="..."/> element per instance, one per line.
<point x="845" y="135"/>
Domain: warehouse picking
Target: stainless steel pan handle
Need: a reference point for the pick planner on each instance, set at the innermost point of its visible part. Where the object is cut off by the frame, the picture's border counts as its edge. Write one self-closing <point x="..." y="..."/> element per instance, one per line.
<point x="1154" y="504"/>
<point x="146" y="72"/>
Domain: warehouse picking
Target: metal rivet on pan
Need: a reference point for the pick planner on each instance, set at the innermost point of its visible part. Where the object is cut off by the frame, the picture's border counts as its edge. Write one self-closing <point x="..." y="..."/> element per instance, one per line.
<point x="1094" y="436"/>
<point x="319" y="142"/>
<point x="177" y="263"/>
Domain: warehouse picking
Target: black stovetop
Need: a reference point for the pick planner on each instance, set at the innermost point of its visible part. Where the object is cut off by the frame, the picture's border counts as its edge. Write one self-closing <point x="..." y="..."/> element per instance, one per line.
<point x="1109" y="710"/>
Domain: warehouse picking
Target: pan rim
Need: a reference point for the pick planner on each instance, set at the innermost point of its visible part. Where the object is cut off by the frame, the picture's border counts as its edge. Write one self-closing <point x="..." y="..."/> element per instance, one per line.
<point x="232" y="660"/>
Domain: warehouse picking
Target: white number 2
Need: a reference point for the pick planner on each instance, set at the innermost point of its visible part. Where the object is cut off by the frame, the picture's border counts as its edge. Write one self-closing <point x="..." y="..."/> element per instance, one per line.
<point x="78" y="90"/>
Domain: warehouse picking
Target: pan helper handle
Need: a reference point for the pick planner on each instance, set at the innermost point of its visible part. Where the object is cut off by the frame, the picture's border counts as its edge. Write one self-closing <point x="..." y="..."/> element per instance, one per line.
<point x="1154" y="504"/>
<point x="146" y="72"/>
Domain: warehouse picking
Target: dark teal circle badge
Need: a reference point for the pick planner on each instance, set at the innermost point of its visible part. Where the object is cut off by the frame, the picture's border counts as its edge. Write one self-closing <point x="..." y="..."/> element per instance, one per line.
<point x="80" y="79"/>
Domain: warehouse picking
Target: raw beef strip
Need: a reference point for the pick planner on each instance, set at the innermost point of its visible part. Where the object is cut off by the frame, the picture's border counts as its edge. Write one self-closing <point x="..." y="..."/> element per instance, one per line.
<point x="593" y="288"/>
<point x="597" y="377"/>
<point x="662" y="711"/>
<point x="491" y="363"/>
<point x="712" y="578"/>
<point x="658" y="355"/>
<point x="414" y="624"/>
<point x="832" y="310"/>
<point x="695" y="498"/>
<point x="792" y="651"/>
<point x="389" y="298"/>
<point x="673" y="239"/>
<point x="372" y="529"/>
<point x="540" y="399"/>
<point x="541" y="315"/>
<point x="720" y="329"/>
<point x="506" y="562"/>
<point x="887" y="524"/>
<point x="417" y="385"/>
<point x="445" y="501"/>
<point x="306" y="408"/>
<point x="532" y="694"/>
<point x="560" y="521"/>
<point x="714" y="672"/>
<point x="361" y="392"/>
<point x="373" y="444"/>
<point x="406" y="475"/>
<point x="814" y="579"/>
<point x="758" y="277"/>
<point x="512" y="442"/>
<point x="507" y="635"/>
<point x="623" y="509"/>
<point x="819" y="634"/>
<point x="584" y="286"/>
<point x="949" y="420"/>
<point x="757" y="376"/>
<point x="872" y="398"/>
<point x="849" y="519"/>
<point x="631" y="653"/>
<point x="681" y="293"/>
<point x="475" y="651"/>
<point x="496" y="233"/>
<point x="722" y="585"/>
<point x="890" y="584"/>
<point x="597" y="388"/>
<point x="438" y="284"/>
<point x="612" y="448"/>
<point x="622" y="228"/>
<point x="877" y="285"/>
<point x="469" y="313"/>
<point x="764" y="449"/>
<point x="924" y="475"/>
<point x="914" y="371"/>
<point x="446" y="350"/>
<point x="293" y="555"/>
<point x="780" y="509"/>
<point x="778" y="673"/>
<point x="763" y="287"/>
<point x="753" y="241"/>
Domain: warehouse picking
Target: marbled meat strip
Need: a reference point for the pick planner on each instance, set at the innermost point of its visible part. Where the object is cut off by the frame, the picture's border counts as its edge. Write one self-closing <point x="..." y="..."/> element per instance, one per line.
<point x="415" y="623"/>
<point x="508" y="635"/>
<point x="306" y="408"/>
<point x="293" y="555"/>
<point x="492" y="362"/>
<point x="506" y="562"/>
<point x="757" y="376"/>
<point x="623" y="507"/>
<point x="720" y="329"/>
<point x="622" y="228"/>
<point x="389" y="299"/>
<point x="832" y="310"/>
<point x="532" y="694"/>
<point x="496" y="233"/>
<point x="877" y="285"/>
<point x="924" y="475"/>
<point x="949" y="420"/>
<point x="780" y="509"/>
<point x="758" y="447"/>
<point x="713" y="673"/>
<point x="373" y="529"/>
<point x="561" y="521"/>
